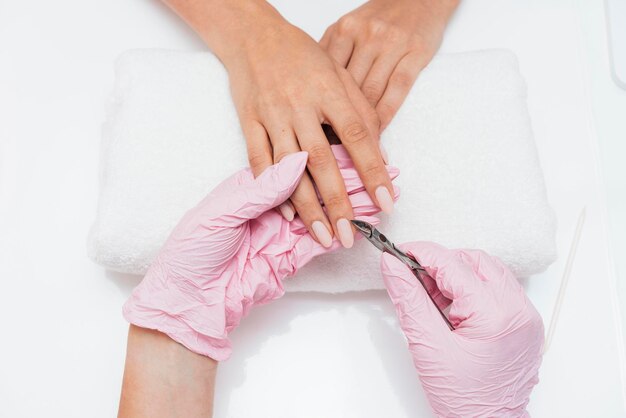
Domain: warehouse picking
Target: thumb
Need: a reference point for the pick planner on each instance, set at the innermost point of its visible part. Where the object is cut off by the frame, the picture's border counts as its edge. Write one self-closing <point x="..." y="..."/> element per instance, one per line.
<point x="253" y="197"/>
<point x="454" y="277"/>
<point x="418" y="315"/>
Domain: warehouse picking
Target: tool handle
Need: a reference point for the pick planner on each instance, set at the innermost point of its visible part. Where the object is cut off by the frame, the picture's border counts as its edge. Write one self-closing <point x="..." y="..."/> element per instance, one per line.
<point x="418" y="273"/>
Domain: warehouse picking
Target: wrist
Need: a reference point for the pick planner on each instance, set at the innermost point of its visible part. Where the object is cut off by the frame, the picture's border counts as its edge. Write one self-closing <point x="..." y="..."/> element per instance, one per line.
<point x="438" y="11"/>
<point x="430" y="18"/>
<point x="236" y="27"/>
<point x="228" y="27"/>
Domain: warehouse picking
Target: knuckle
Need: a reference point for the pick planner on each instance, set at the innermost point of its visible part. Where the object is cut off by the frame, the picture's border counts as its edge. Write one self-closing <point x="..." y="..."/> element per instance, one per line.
<point x="372" y="90"/>
<point x="402" y="79"/>
<point x="378" y="27"/>
<point x="306" y="204"/>
<point x="385" y="110"/>
<point x="295" y="94"/>
<point x="383" y="30"/>
<point x="248" y="109"/>
<point x="334" y="201"/>
<point x="354" y="133"/>
<point x="347" y="24"/>
<point x="258" y="161"/>
<point x="395" y="35"/>
<point x="271" y="100"/>
<point x="419" y="46"/>
<point x="320" y="156"/>
<point x="372" y="169"/>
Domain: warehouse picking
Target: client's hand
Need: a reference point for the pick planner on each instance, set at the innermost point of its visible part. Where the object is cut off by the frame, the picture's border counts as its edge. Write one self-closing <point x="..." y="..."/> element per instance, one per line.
<point x="284" y="86"/>
<point x="232" y="252"/>
<point x="385" y="44"/>
<point x="489" y="364"/>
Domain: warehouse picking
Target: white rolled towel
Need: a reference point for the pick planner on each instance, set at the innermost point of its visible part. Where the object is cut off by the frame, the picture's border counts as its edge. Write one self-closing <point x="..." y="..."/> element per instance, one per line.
<point x="469" y="171"/>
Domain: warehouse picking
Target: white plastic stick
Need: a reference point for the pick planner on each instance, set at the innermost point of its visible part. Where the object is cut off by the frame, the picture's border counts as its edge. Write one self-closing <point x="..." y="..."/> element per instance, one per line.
<point x="565" y="279"/>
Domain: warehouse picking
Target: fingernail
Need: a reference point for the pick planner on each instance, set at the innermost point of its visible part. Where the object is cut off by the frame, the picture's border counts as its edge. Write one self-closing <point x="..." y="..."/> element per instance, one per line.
<point x="383" y="152"/>
<point x="287" y="211"/>
<point x="322" y="234"/>
<point x="344" y="231"/>
<point x="384" y="200"/>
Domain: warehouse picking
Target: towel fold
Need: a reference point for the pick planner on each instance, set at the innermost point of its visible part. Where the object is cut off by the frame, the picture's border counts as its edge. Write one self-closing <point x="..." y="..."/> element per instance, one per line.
<point x="470" y="174"/>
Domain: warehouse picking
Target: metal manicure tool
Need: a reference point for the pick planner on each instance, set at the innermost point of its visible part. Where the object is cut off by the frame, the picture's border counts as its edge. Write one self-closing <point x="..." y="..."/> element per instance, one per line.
<point x="381" y="242"/>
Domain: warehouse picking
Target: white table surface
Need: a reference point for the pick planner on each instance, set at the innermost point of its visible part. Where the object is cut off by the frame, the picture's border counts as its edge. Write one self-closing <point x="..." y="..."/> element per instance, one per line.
<point x="62" y="340"/>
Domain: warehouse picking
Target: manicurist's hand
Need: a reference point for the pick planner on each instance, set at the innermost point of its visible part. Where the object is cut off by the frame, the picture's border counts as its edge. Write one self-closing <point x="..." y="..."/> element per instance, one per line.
<point x="385" y="44"/>
<point x="487" y="366"/>
<point x="284" y="86"/>
<point x="232" y="252"/>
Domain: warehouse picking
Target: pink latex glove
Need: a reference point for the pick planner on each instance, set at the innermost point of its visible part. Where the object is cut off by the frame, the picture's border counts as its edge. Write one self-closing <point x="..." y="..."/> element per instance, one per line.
<point x="231" y="252"/>
<point x="489" y="364"/>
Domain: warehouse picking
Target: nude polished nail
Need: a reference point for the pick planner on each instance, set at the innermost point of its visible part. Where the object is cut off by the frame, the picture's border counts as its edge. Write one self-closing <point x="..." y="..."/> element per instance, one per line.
<point x="385" y="202"/>
<point x="344" y="230"/>
<point x="322" y="233"/>
<point x="287" y="211"/>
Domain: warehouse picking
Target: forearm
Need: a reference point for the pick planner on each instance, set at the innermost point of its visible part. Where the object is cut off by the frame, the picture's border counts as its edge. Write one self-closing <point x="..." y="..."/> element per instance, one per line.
<point x="432" y="16"/>
<point x="163" y="379"/>
<point x="228" y="26"/>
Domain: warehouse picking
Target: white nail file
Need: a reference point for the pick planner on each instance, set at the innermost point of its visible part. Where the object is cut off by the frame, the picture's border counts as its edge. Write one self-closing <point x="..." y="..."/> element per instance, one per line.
<point x="616" y="26"/>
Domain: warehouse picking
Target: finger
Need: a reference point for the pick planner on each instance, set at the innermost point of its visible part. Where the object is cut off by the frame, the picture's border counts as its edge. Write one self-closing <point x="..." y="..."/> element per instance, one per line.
<point x="362" y="204"/>
<point x="250" y="199"/>
<point x="490" y="270"/>
<point x="304" y="198"/>
<point x="326" y="175"/>
<point x="486" y="267"/>
<point x="350" y="175"/>
<point x="363" y="108"/>
<point x="278" y="138"/>
<point x="259" y="147"/>
<point x="420" y="320"/>
<point x="306" y="248"/>
<point x="376" y="80"/>
<point x="360" y="62"/>
<point x="363" y="149"/>
<point x="287" y="210"/>
<point x="339" y="48"/>
<point x="400" y="83"/>
<point x="454" y="277"/>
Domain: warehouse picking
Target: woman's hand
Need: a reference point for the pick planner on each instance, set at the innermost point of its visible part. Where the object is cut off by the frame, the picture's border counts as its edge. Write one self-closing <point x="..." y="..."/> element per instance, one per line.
<point x="385" y="44"/>
<point x="232" y="252"/>
<point x="284" y="87"/>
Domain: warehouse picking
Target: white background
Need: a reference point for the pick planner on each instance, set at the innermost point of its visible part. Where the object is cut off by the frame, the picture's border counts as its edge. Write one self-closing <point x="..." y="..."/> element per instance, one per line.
<point x="62" y="336"/>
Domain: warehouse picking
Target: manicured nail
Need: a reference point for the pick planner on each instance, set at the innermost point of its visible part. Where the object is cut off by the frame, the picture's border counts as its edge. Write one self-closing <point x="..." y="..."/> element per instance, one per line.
<point x="322" y="233"/>
<point x="287" y="211"/>
<point x="344" y="231"/>
<point x="384" y="200"/>
<point x="383" y="153"/>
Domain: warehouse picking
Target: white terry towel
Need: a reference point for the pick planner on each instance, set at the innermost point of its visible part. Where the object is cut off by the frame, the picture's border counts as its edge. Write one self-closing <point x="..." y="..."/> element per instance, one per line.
<point x="469" y="171"/>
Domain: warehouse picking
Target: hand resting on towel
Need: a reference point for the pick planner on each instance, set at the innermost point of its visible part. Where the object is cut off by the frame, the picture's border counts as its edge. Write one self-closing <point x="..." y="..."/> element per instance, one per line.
<point x="284" y="86"/>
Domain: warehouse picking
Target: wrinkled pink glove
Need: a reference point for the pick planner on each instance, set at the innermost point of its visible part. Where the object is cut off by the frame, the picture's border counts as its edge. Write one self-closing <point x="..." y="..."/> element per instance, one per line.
<point x="230" y="253"/>
<point x="489" y="364"/>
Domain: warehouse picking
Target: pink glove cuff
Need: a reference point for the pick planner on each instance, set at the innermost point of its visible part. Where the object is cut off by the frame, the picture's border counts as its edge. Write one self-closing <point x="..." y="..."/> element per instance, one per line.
<point x="179" y="331"/>
<point x="157" y="309"/>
